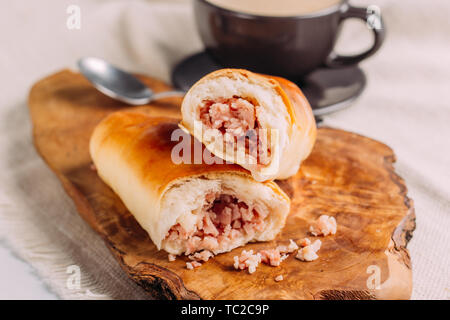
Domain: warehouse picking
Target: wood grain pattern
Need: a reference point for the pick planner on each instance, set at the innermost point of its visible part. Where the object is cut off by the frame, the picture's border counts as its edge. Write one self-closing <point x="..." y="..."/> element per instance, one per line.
<point x="347" y="176"/>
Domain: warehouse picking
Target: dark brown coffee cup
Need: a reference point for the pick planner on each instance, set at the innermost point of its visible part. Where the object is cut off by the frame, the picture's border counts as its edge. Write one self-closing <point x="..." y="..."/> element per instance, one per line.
<point x="287" y="46"/>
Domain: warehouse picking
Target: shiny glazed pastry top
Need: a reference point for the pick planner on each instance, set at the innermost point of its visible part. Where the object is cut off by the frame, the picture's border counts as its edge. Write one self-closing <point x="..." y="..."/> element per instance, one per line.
<point x="184" y="207"/>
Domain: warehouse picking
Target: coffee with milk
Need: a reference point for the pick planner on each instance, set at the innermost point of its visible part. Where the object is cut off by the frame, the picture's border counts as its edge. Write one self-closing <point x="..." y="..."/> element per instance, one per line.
<point x="277" y="8"/>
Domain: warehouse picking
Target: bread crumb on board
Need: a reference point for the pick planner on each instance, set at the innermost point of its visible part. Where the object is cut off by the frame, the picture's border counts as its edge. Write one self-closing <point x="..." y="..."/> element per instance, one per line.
<point x="171" y="257"/>
<point x="305" y="242"/>
<point x="273" y="257"/>
<point x="323" y="226"/>
<point x="309" y="252"/>
<point x="201" y="256"/>
<point x="279" y="278"/>
<point x="192" y="265"/>
<point x="249" y="260"/>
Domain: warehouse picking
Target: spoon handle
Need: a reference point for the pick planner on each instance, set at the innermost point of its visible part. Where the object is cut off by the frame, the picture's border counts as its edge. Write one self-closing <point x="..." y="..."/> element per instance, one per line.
<point x="167" y="94"/>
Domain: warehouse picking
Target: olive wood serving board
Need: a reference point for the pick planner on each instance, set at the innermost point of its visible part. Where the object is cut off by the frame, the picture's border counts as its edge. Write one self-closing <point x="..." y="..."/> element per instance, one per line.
<point x="347" y="176"/>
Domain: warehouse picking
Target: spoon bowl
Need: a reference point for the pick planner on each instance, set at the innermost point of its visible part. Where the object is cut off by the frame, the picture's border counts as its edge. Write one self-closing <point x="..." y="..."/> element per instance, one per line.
<point x="119" y="84"/>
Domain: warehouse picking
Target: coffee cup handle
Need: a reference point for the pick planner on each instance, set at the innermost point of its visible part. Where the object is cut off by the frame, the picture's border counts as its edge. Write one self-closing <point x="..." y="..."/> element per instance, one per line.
<point x="373" y="19"/>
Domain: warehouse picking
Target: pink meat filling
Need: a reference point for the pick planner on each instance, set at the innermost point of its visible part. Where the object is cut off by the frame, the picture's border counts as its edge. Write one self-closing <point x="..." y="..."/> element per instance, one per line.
<point x="220" y="222"/>
<point x="236" y="119"/>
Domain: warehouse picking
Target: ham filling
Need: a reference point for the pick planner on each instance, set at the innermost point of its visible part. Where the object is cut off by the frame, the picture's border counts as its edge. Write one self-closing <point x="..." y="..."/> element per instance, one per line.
<point x="215" y="227"/>
<point x="236" y="119"/>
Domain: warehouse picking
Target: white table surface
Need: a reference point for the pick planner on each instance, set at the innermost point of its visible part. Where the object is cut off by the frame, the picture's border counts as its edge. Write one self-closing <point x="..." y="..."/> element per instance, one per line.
<point x="18" y="279"/>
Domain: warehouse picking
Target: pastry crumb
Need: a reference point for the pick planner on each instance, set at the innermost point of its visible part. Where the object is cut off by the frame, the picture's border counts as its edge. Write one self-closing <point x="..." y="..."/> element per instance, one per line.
<point x="271" y="257"/>
<point x="192" y="265"/>
<point x="201" y="256"/>
<point x="172" y="257"/>
<point x="305" y="242"/>
<point x="289" y="248"/>
<point x="309" y="252"/>
<point x="247" y="260"/>
<point x="279" y="278"/>
<point x="323" y="226"/>
<point x="292" y="246"/>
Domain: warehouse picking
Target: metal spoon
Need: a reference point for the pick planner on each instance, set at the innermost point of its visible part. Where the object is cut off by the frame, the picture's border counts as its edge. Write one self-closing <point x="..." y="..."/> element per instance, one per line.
<point x="118" y="84"/>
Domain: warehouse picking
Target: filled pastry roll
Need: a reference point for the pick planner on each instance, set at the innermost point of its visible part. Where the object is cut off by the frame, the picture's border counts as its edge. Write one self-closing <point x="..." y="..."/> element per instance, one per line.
<point x="263" y="123"/>
<point x="184" y="207"/>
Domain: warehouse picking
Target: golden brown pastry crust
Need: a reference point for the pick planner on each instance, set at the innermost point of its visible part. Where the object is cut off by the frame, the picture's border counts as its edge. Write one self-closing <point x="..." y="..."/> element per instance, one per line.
<point x="301" y="126"/>
<point x="132" y="153"/>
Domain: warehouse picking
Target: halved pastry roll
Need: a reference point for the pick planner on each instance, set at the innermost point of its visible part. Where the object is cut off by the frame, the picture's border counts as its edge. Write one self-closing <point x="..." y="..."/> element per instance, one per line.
<point x="185" y="208"/>
<point x="263" y="123"/>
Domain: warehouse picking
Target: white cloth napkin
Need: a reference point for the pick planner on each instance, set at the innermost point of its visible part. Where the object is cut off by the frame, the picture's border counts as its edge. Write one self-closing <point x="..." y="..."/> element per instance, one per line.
<point x="405" y="105"/>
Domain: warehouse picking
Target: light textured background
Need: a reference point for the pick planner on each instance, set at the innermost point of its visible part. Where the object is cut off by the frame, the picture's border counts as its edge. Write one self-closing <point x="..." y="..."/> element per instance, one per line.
<point x="406" y="106"/>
